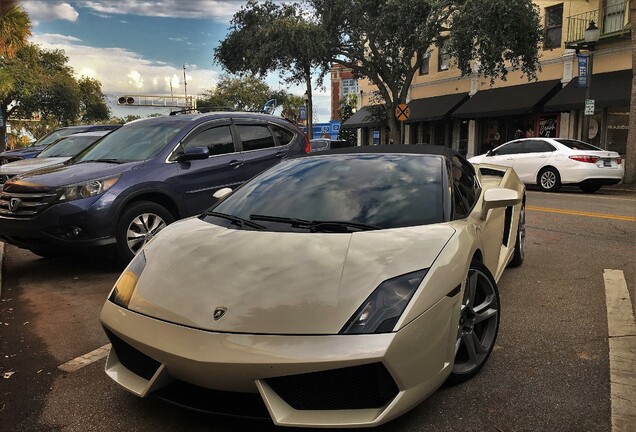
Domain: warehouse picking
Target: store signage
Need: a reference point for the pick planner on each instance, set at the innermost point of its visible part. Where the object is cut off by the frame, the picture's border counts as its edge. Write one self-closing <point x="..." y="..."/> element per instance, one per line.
<point x="583" y="62"/>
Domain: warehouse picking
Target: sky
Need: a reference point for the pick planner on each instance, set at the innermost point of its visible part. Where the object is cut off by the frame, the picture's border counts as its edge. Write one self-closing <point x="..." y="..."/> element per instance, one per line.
<point x="139" y="47"/>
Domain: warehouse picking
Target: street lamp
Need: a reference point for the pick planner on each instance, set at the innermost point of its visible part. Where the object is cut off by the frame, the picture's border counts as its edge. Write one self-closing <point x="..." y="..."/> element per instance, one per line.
<point x="592" y="33"/>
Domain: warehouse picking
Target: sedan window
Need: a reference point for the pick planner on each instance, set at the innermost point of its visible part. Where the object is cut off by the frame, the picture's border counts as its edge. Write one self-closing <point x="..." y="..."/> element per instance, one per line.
<point x="537" y="146"/>
<point x="577" y="145"/>
<point x="510" y="148"/>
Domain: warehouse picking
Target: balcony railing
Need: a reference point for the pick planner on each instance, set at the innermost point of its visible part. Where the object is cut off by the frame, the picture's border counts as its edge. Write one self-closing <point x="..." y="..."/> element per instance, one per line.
<point x="612" y="19"/>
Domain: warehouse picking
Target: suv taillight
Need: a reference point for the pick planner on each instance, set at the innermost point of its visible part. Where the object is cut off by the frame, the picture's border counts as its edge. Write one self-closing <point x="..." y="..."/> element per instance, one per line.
<point x="585" y="158"/>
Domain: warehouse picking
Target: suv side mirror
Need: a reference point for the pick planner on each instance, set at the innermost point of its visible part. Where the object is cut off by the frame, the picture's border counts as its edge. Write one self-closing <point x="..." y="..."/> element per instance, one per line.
<point x="194" y="153"/>
<point x="498" y="198"/>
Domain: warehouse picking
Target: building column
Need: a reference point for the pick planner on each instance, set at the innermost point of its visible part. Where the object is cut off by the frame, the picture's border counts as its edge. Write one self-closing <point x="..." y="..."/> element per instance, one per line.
<point x="472" y="138"/>
<point x="456" y="132"/>
<point x="565" y="126"/>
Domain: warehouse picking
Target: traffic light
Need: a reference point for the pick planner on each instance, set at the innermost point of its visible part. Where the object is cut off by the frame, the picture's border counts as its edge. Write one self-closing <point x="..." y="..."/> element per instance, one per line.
<point x="125" y="100"/>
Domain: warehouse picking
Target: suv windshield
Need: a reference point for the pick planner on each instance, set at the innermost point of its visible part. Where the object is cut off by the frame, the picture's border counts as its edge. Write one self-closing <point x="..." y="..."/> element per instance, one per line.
<point x="376" y="190"/>
<point x="69" y="146"/>
<point x="53" y="136"/>
<point x="133" y="142"/>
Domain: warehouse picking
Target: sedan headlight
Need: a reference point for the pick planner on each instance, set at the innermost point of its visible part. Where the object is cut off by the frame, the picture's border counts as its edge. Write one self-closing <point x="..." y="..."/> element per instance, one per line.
<point x="127" y="282"/>
<point x="381" y="311"/>
<point x="88" y="189"/>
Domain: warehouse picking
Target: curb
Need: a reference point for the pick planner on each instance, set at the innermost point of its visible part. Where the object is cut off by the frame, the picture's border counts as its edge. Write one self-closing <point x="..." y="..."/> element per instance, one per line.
<point x="1" y="261"/>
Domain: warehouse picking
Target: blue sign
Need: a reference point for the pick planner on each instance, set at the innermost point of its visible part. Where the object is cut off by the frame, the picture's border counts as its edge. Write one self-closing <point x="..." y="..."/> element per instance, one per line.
<point x="302" y="112"/>
<point x="583" y="63"/>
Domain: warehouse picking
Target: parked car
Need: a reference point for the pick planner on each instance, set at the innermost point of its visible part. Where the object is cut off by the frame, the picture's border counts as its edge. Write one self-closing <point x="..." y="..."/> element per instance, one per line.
<point x="139" y="178"/>
<point x="37" y="146"/>
<point x="56" y="153"/>
<point x="552" y="162"/>
<point x="336" y="289"/>
<point x="320" y="144"/>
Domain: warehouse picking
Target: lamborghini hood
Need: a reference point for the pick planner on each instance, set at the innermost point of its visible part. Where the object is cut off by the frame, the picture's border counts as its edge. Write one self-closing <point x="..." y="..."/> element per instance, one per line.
<point x="273" y="282"/>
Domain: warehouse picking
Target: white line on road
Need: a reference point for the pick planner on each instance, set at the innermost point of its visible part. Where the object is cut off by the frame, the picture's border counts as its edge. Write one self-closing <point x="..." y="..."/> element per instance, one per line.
<point x="85" y="360"/>
<point x="622" y="351"/>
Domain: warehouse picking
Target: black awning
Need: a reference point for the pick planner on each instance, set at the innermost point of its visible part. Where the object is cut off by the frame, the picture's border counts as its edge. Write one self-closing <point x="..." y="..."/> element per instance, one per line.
<point x="608" y="89"/>
<point x="435" y="108"/>
<point x="368" y="116"/>
<point x="505" y="101"/>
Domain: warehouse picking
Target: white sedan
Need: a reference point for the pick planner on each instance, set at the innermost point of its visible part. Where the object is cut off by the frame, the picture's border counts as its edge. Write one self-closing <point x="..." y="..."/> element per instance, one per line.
<point x="337" y="289"/>
<point x="552" y="162"/>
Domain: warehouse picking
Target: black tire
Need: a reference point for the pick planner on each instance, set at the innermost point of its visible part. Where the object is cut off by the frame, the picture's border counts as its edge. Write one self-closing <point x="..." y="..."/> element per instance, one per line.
<point x="589" y="187"/>
<point x="478" y="325"/>
<point x="144" y="219"/>
<point x="549" y="179"/>
<point x="520" y="243"/>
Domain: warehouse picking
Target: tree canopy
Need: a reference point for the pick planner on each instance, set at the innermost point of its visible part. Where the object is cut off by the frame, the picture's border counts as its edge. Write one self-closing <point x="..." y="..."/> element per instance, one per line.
<point x="15" y="28"/>
<point x="40" y="81"/>
<point x="267" y="36"/>
<point x="381" y="39"/>
<point x="247" y="93"/>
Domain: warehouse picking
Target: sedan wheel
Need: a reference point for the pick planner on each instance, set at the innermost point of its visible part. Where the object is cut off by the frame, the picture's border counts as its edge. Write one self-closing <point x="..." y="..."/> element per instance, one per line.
<point x="478" y="323"/>
<point x="549" y="180"/>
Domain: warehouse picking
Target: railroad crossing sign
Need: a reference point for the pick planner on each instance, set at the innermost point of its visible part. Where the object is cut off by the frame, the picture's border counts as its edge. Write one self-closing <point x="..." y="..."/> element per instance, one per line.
<point x="402" y="112"/>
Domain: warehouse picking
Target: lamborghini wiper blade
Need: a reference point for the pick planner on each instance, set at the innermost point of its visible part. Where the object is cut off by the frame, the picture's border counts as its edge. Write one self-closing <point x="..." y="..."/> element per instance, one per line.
<point x="235" y="219"/>
<point x="316" y="225"/>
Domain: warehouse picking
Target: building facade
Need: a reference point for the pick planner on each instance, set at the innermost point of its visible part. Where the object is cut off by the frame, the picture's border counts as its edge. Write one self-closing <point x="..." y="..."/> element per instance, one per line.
<point x="469" y="114"/>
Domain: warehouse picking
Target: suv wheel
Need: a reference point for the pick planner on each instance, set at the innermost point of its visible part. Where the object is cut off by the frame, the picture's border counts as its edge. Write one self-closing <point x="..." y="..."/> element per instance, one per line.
<point x="138" y="224"/>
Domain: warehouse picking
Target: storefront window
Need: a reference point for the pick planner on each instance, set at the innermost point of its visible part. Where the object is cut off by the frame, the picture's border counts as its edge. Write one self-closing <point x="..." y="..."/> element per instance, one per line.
<point x="617" y="129"/>
<point x="548" y="126"/>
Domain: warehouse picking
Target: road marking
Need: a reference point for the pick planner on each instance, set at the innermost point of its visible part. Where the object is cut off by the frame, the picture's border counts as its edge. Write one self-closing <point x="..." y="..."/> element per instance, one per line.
<point x="581" y="213"/>
<point x="85" y="360"/>
<point x="622" y="351"/>
<point x="581" y="196"/>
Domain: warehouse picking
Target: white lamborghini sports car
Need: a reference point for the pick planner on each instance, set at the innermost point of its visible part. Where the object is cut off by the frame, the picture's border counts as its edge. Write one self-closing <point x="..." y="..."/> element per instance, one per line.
<point x="336" y="289"/>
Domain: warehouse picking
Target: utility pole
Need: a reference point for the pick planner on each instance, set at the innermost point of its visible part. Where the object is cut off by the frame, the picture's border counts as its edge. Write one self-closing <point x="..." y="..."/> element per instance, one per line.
<point x="185" y="83"/>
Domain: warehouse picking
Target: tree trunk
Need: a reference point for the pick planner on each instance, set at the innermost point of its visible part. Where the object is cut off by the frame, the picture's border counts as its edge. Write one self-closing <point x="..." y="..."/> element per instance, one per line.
<point x="630" y="158"/>
<point x="393" y="124"/>
<point x="310" y="111"/>
<point x="3" y="127"/>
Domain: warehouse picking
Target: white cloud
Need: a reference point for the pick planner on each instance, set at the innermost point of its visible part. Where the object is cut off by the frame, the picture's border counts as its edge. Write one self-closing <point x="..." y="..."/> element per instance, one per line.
<point x="122" y="71"/>
<point x="49" y="11"/>
<point x="168" y="8"/>
<point x="58" y="38"/>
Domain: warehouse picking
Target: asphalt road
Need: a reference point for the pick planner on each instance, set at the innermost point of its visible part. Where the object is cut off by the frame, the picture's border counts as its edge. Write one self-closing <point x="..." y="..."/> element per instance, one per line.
<point x="549" y="370"/>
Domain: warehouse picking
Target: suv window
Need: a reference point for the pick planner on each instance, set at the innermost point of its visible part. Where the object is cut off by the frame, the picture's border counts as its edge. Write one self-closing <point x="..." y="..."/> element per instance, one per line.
<point x="255" y="137"/>
<point x="537" y="146"/>
<point x="217" y="139"/>
<point x="510" y="148"/>
<point x="283" y="135"/>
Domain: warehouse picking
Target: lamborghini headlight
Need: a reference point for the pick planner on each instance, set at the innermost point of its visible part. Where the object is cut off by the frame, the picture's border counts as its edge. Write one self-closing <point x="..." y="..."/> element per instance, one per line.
<point x="382" y="310"/>
<point x="127" y="282"/>
<point x="87" y="189"/>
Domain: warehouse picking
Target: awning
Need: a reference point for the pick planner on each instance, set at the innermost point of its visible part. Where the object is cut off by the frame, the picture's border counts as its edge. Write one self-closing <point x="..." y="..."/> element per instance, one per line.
<point x="368" y="116"/>
<point x="435" y="108"/>
<point x="608" y="89"/>
<point x="506" y="101"/>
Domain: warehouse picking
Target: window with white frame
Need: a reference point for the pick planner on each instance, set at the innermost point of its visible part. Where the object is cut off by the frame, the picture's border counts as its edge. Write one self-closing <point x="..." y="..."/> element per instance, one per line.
<point x="424" y="66"/>
<point x="347" y="86"/>
<point x="553" y="26"/>
<point x="443" y="60"/>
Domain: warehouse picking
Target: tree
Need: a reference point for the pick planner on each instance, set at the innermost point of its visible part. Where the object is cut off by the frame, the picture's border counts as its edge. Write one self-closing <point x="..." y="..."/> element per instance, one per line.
<point x="630" y="157"/>
<point x="15" y="28"/>
<point x="93" y="107"/>
<point x="266" y="37"/>
<point x="38" y="80"/>
<point x="348" y="106"/>
<point x="381" y="39"/>
<point x="247" y="93"/>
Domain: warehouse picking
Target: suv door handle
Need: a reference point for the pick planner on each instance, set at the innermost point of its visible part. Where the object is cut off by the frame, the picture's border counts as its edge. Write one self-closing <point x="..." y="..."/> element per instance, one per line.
<point x="281" y="154"/>
<point x="236" y="163"/>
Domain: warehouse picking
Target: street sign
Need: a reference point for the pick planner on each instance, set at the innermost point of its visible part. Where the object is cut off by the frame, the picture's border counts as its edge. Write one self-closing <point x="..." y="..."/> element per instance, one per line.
<point x="583" y="61"/>
<point x="589" y="106"/>
<point x="302" y="112"/>
<point x="402" y="112"/>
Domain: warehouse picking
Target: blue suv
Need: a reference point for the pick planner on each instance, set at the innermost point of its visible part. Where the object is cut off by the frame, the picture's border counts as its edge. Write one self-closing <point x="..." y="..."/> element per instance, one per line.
<point x="129" y="185"/>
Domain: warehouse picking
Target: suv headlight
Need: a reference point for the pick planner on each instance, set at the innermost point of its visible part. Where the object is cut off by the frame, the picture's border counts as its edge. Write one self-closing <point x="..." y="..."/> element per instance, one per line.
<point x="382" y="310"/>
<point x="87" y="189"/>
<point x="127" y="282"/>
